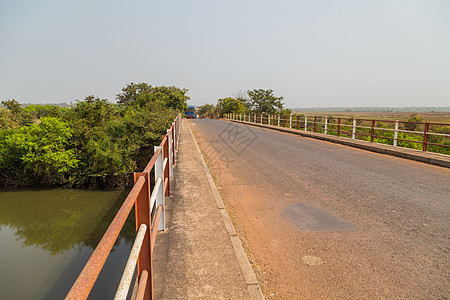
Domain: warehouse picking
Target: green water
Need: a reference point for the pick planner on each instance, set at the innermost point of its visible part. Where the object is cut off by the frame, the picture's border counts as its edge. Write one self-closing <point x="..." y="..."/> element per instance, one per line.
<point x="46" y="237"/>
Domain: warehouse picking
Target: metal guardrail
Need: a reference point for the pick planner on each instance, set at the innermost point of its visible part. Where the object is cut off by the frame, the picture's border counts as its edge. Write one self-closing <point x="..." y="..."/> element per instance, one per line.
<point x="368" y="127"/>
<point x="146" y="201"/>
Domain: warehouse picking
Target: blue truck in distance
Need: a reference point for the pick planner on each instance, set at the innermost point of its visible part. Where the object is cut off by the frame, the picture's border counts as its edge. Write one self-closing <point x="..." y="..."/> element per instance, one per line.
<point x="191" y="112"/>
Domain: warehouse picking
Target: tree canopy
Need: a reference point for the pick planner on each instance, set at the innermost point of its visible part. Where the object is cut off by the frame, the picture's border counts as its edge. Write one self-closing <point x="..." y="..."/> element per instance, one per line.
<point x="230" y="105"/>
<point x="142" y="93"/>
<point x="94" y="143"/>
<point x="263" y="101"/>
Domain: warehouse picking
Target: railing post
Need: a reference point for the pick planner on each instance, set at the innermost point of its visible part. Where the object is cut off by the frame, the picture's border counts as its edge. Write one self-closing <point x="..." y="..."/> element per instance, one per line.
<point x="339" y="127"/>
<point x="278" y="120"/>
<point x="174" y="130"/>
<point x="290" y="121"/>
<point x="159" y="173"/>
<point x="354" y="129"/>
<point x="326" y="126"/>
<point x="395" y="133"/>
<point x="315" y="122"/>
<point x="143" y="216"/>
<point x="372" y="131"/>
<point x="297" y="121"/>
<point x="166" y="167"/>
<point x="169" y="146"/>
<point x="425" y="136"/>
<point x="306" y="123"/>
<point x="261" y="118"/>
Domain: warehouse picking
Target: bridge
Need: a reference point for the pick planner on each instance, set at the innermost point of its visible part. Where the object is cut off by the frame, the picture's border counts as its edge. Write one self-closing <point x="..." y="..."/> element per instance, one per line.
<point x="316" y="219"/>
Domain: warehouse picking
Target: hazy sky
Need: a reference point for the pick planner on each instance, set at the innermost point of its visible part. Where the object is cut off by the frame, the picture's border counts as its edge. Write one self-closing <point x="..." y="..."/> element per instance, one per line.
<point x="313" y="53"/>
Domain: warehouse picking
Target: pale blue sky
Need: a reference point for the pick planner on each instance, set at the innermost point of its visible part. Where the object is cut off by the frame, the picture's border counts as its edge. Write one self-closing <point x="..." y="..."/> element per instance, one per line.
<point x="314" y="53"/>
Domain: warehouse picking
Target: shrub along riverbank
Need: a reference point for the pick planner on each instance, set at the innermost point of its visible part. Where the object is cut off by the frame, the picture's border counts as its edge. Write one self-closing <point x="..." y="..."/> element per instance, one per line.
<point x="92" y="144"/>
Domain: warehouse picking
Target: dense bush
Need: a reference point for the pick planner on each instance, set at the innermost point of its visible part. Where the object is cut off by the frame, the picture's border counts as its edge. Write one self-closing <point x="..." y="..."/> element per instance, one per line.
<point x="93" y="144"/>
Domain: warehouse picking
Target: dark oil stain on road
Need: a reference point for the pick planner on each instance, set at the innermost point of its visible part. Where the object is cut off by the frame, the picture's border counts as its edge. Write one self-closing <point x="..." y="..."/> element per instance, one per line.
<point x="309" y="218"/>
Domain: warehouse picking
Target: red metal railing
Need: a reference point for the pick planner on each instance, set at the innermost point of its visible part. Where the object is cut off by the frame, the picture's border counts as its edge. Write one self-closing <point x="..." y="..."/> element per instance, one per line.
<point x="366" y="128"/>
<point x="145" y="201"/>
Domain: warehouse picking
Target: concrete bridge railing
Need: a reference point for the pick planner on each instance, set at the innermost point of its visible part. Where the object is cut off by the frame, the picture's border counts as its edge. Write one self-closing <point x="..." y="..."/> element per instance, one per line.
<point x="147" y="202"/>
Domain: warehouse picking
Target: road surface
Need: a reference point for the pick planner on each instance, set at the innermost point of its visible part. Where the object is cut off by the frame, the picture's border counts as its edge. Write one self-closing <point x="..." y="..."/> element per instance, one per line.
<point x="326" y="221"/>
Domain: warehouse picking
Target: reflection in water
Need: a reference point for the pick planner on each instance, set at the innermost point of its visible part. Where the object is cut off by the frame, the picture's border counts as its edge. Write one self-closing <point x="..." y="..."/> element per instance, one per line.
<point x="46" y="237"/>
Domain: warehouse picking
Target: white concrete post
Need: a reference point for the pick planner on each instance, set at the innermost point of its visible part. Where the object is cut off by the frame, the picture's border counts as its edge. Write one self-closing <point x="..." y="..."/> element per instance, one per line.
<point x="268" y="119"/>
<point x="306" y="123"/>
<point x="290" y="121"/>
<point x="159" y="173"/>
<point x="169" y="131"/>
<point x="395" y="133"/>
<point x="354" y="129"/>
<point x="174" y="136"/>
<point x="261" y="117"/>
<point x="278" y="120"/>
<point x="326" y="125"/>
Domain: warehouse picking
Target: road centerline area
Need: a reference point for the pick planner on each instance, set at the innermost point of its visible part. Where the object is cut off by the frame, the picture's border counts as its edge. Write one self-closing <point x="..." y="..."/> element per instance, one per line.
<point x="387" y="234"/>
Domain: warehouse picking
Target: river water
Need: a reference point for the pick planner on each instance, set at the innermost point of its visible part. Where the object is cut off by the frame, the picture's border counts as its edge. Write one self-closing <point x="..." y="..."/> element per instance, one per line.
<point x="46" y="237"/>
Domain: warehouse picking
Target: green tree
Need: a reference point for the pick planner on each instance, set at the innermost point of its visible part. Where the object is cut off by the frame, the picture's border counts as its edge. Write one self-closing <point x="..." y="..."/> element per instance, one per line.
<point x="38" y="111"/>
<point x="13" y="106"/>
<point x="263" y="101"/>
<point x="415" y="122"/>
<point x="18" y="114"/>
<point x="43" y="150"/>
<point x="230" y="105"/>
<point x="7" y="120"/>
<point x="142" y="93"/>
<point x="207" y="111"/>
<point x="285" y="112"/>
<point x="132" y="91"/>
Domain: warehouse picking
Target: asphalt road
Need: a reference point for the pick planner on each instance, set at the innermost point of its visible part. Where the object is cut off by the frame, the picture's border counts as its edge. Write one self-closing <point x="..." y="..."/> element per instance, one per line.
<point x="326" y="221"/>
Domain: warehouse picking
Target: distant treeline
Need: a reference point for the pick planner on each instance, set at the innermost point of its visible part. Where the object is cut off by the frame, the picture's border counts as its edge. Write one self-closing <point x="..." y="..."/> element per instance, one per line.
<point x="94" y="143"/>
<point x="375" y="109"/>
<point x="61" y="104"/>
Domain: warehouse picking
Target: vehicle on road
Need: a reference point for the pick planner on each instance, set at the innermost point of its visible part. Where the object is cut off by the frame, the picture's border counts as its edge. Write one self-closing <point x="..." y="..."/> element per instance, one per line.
<point x="191" y="112"/>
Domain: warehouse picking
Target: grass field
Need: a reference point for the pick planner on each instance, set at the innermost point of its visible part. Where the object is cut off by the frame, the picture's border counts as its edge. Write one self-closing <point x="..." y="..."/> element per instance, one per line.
<point x="443" y="117"/>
